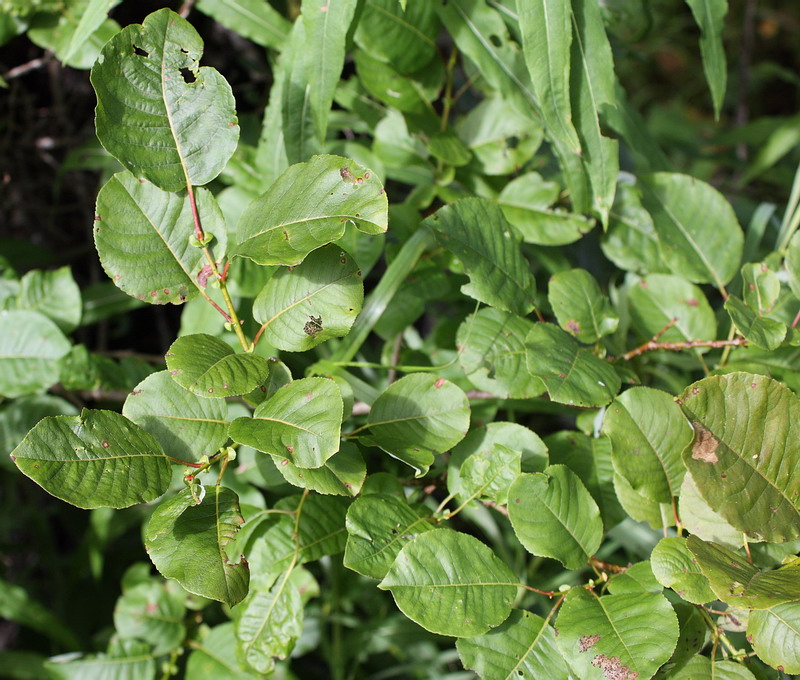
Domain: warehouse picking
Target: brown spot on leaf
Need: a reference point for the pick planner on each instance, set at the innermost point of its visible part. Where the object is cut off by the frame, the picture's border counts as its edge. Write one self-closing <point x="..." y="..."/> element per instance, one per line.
<point x="587" y="641"/>
<point x="613" y="668"/>
<point x="573" y="326"/>
<point x="705" y="445"/>
<point x="313" y="326"/>
<point x="345" y="174"/>
<point x="105" y="445"/>
<point x="439" y="383"/>
<point x="692" y="302"/>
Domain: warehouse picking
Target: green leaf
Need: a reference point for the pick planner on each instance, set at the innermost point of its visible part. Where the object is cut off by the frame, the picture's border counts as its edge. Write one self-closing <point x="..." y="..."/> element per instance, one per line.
<point x="187" y="426"/>
<point x="187" y="541"/>
<point x="268" y="624"/>
<point x="489" y="474"/>
<point x="580" y="306"/>
<point x="21" y="665"/>
<point x="92" y="18"/>
<point x="761" y="287"/>
<point x="214" y="656"/>
<point x="342" y="475"/>
<point x="452" y="584"/>
<point x="657" y="299"/>
<point x="525" y="202"/>
<point x="523" y="646"/>
<point x="698" y="518"/>
<point x="616" y="636"/>
<point x="738" y="582"/>
<point x="571" y="374"/>
<point x="402" y="37"/>
<point x="301" y="422"/>
<point x="483" y="441"/>
<point x="492" y="354"/>
<point x="447" y="147"/>
<point x="792" y="264"/>
<point x="307" y="207"/>
<point x="252" y="19"/>
<point x="499" y="274"/>
<point x="98" y="459"/>
<point x="302" y="306"/>
<point x="378" y="526"/>
<point x="592" y="90"/>
<point x="142" y="234"/>
<point x="126" y="660"/>
<point x="18" y="606"/>
<point x="187" y="130"/>
<point x="553" y="515"/>
<point x="321" y="532"/>
<point x="153" y="612"/>
<point x="52" y="293"/>
<point x="675" y="567"/>
<point x="631" y="241"/>
<point x="501" y="139"/>
<point x="418" y="416"/>
<point x="18" y="416"/>
<point x="590" y="459"/>
<point x="637" y="578"/>
<point x="208" y="367"/>
<point x="648" y="434"/>
<point x="744" y="452"/>
<point x="759" y="330"/>
<point x="546" y="29"/>
<point x="701" y="239"/>
<point x="710" y="18"/>
<point x="640" y="507"/>
<point x="326" y="24"/>
<point x="775" y="635"/>
<point x="30" y="347"/>
<point x="412" y="93"/>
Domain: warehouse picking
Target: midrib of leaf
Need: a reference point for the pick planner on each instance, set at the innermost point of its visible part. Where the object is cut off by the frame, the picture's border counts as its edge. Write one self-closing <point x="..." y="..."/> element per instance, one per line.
<point x="698" y="251"/>
<point x="273" y="603"/>
<point x="488" y="47"/>
<point x="431" y="414"/>
<point x="157" y="231"/>
<point x="652" y="236"/>
<point x="631" y="658"/>
<point x="402" y="22"/>
<point x="197" y="420"/>
<point x="393" y="540"/>
<point x="222" y="558"/>
<point x="288" y="424"/>
<point x="528" y="651"/>
<point x="168" y="113"/>
<point x="786" y="623"/>
<point x="200" y="648"/>
<point x="568" y="530"/>
<point x="301" y="220"/>
<point x="548" y="48"/>
<point x="307" y="297"/>
<point x="255" y="18"/>
<point x="453" y="585"/>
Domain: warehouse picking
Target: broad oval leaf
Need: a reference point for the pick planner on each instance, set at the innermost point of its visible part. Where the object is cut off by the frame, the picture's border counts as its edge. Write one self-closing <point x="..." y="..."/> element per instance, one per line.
<point x="142" y="236"/>
<point x="700" y="237"/>
<point x="98" y="459"/>
<point x="378" y="526"/>
<point x="307" y="207"/>
<point x="52" y="293"/>
<point x="302" y="306"/>
<point x="744" y="456"/>
<point x="675" y="567"/>
<point x="580" y="306"/>
<point x="186" y="541"/>
<point x="301" y="422"/>
<point x="775" y="633"/>
<point x="637" y="578"/>
<point x="186" y="426"/>
<point x="452" y="584"/>
<point x="30" y="347"/>
<point x="492" y="353"/>
<point x="648" y="434"/>
<point x="489" y="474"/>
<point x="553" y="515"/>
<point x="160" y="114"/>
<point x="699" y="519"/>
<point x="418" y="416"/>
<point x="125" y="660"/>
<point x="214" y="656"/>
<point x="761" y="331"/>
<point x="208" y="367"/>
<point x="475" y="230"/>
<point x="571" y="374"/>
<point x="523" y="646"/>
<point x="642" y="508"/>
<point x="740" y="583"/>
<point x="616" y="636"/>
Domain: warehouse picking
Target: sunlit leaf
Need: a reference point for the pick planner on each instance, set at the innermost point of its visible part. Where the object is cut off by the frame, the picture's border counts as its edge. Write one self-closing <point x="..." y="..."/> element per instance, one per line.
<point x="775" y="633"/>
<point x="187" y="541"/>
<point x="675" y="567"/>
<point x="95" y="460"/>
<point x="450" y="583"/>
<point x="580" y="306"/>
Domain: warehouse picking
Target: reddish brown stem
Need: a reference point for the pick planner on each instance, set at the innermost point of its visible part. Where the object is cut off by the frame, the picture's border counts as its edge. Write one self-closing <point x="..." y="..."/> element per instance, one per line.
<point x="607" y="566"/>
<point x="652" y="345"/>
<point x="796" y="320"/>
<point x="198" y="229"/>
